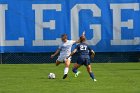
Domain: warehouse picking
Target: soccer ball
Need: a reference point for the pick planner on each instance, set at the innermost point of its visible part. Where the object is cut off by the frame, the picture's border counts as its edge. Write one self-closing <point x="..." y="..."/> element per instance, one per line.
<point x="51" y="76"/>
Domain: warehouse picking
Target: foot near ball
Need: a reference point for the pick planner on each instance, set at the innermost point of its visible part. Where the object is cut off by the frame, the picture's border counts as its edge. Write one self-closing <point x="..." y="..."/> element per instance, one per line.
<point x="65" y="76"/>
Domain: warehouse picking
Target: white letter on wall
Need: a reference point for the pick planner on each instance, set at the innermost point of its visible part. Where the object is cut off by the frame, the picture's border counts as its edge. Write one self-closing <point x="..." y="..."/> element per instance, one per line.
<point x="75" y="22"/>
<point x="3" y="41"/>
<point x="117" y="24"/>
<point x="39" y="8"/>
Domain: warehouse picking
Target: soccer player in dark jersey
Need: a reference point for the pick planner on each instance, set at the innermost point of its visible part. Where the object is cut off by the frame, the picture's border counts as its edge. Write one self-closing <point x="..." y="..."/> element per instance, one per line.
<point x="84" y="52"/>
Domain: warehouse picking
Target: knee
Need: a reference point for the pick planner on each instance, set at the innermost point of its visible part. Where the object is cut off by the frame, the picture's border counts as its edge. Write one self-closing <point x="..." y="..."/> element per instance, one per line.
<point x="67" y="64"/>
<point x="89" y="69"/>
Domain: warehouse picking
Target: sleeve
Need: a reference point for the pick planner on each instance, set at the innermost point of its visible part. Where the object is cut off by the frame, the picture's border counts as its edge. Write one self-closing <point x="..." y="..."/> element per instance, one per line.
<point x="77" y="47"/>
<point x="72" y="42"/>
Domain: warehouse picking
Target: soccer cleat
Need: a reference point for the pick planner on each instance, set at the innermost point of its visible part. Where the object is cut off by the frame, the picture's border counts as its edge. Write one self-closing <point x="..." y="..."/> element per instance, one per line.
<point x="65" y="76"/>
<point x="94" y="80"/>
<point x="76" y="75"/>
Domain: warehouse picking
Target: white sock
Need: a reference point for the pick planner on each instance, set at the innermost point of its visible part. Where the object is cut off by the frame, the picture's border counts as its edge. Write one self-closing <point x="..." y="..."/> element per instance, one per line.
<point x="66" y="70"/>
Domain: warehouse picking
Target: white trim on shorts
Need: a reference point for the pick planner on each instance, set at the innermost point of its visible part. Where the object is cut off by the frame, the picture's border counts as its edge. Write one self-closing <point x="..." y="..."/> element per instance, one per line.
<point x="63" y="58"/>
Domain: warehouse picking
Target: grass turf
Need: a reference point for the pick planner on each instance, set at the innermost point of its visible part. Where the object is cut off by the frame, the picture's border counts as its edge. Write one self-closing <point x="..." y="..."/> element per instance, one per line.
<point x="32" y="78"/>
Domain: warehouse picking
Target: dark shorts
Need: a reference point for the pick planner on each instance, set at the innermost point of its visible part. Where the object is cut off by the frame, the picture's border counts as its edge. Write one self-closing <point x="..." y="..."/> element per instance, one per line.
<point x="83" y="61"/>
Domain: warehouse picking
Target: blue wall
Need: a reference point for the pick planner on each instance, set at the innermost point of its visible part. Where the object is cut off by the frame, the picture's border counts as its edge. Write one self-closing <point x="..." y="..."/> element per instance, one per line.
<point x="111" y="26"/>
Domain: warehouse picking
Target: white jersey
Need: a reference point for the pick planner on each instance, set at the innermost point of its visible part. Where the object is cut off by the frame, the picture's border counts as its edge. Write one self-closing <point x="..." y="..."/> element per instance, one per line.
<point x="65" y="48"/>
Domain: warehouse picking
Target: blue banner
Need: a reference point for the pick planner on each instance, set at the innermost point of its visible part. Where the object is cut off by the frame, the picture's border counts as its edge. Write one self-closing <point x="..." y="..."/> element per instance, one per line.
<point x="37" y="25"/>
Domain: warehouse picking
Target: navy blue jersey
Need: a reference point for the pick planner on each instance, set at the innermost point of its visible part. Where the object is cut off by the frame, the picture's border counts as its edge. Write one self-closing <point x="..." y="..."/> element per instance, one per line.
<point x="83" y="50"/>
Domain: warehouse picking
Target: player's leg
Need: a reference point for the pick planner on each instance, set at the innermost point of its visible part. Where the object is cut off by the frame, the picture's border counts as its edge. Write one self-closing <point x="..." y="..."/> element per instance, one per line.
<point x="88" y="66"/>
<point x="77" y="65"/>
<point x="66" y="69"/>
<point x="90" y="72"/>
<point x="75" y="69"/>
<point x="59" y="60"/>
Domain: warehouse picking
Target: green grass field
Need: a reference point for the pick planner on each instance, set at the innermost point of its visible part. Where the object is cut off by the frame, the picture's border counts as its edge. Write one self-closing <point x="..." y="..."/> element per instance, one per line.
<point x="32" y="78"/>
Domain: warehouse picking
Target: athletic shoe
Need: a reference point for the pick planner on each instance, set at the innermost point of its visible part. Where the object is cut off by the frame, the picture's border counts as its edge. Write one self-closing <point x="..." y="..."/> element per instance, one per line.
<point x="65" y="76"/>
<point x="94" y="80"/>
<point x="76" y="75"/>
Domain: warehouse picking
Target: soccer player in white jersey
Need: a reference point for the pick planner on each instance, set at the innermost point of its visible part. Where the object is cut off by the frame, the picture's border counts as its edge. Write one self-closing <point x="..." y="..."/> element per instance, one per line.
<point x="65" y="51"/>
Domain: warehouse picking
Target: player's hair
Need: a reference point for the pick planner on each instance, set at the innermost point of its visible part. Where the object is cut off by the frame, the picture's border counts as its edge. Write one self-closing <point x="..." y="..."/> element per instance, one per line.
<point x="64" y="35"/>
<point x="82" y="39"/>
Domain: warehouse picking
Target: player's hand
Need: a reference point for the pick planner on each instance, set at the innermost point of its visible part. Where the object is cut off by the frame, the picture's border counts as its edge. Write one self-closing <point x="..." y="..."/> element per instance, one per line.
<point x="52" y="56"/>
<point x="83" y="34"/>
<point x="92" y="56"/>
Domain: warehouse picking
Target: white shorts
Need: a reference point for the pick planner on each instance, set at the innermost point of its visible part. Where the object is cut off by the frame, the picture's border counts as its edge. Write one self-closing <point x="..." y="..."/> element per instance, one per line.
<point x="63" y="58"/>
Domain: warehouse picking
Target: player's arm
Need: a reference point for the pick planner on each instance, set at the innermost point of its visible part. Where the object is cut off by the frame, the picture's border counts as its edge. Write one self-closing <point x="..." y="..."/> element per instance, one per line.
<point x="57" y="51"/>
<point x="78" y="41"/>
<point x="92" y="53"/>
<point x="73" y="52"/>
